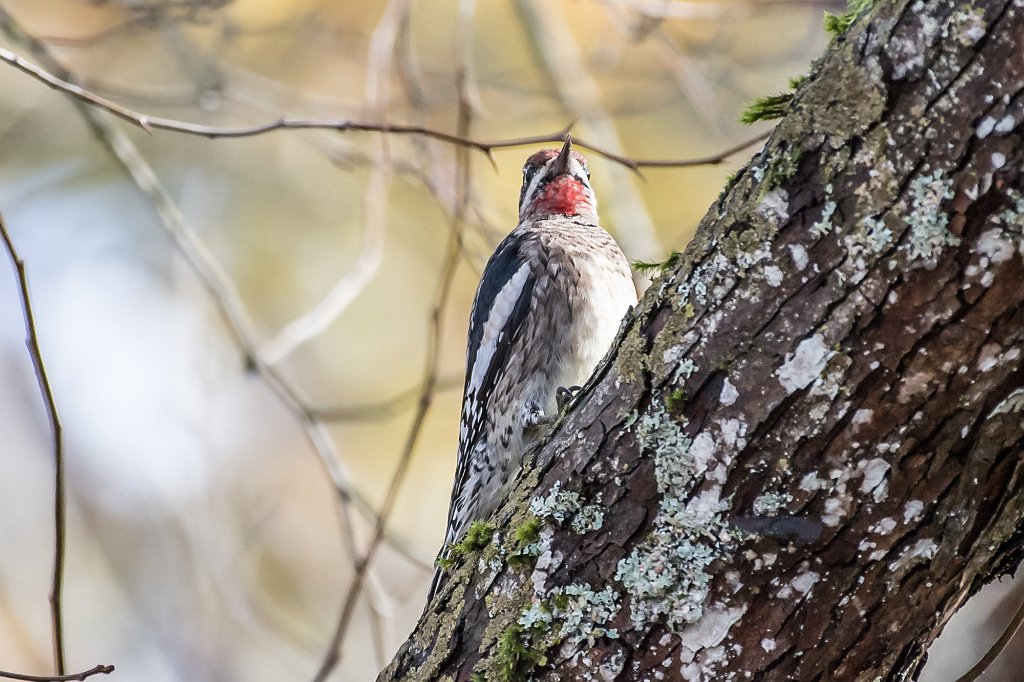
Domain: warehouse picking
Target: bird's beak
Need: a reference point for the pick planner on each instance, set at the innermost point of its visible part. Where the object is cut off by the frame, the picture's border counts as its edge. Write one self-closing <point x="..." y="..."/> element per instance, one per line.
<point x="561" y="164"/>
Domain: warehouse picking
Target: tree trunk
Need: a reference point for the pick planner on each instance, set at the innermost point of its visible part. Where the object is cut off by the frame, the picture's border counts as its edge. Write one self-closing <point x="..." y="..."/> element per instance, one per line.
<point x="803" y="454"/>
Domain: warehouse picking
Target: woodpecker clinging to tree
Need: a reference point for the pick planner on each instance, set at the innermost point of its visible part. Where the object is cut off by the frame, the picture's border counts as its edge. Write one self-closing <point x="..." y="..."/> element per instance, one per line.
<point x="547" y="308"/>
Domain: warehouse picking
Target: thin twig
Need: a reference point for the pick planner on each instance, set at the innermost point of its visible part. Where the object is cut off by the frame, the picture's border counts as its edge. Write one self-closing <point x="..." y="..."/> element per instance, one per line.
<point x="385" y="409"/>
<point x="706" y="11"/>
<point x="151" y="123"/>
<point x="85" y="674"/>
<point x="423" y="407"/>
<point x="375" y="208"/>
<point x="59" y="529"/>
<point x="351" y="284"/>
<point x="1008" y="634"/>
<point x="686" y="69"/>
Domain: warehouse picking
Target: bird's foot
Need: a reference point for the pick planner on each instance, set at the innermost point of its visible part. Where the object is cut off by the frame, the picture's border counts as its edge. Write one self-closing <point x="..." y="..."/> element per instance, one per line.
<point x="564" y="395"/>
<point x="534" y="417"/>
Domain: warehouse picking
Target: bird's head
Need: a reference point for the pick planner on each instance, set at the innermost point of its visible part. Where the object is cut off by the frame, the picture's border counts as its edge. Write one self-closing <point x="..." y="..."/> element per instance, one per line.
<point x="556" y="182"/>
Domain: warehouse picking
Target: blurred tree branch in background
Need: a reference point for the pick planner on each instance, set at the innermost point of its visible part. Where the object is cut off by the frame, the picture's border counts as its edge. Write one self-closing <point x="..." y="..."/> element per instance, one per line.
<point x="84" y="675"/>
<point x="59" y="531"/>
<point x="151" y="123"/>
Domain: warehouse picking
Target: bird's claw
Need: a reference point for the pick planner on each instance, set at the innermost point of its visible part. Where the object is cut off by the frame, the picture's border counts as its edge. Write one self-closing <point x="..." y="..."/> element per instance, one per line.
<point x="535" y="417"/>
<point x="563" y="395"/>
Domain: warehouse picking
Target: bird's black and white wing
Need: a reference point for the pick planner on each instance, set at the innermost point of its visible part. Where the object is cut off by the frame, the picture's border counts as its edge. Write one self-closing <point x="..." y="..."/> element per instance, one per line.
<point x="501" y="306"/>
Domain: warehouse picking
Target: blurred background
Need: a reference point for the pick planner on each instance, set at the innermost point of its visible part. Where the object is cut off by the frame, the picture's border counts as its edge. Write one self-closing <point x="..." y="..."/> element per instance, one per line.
<point x="248" y="338"/>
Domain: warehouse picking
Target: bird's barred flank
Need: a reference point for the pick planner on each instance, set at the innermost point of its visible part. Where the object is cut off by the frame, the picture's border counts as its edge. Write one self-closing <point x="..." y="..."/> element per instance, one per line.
<point x="547" y="308"/>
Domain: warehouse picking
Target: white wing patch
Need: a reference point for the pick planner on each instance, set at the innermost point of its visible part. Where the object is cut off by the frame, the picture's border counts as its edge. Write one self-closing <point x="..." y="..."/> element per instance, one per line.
<point x="494" y="325"/>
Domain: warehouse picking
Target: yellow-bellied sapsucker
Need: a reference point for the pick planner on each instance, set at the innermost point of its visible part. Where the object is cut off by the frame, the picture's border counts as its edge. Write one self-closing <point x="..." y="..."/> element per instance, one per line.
<point x="547" y="308"/>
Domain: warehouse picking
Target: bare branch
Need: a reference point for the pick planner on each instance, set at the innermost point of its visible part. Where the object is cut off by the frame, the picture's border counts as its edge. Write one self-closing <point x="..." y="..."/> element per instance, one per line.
<point x="375" y="207"/>
<point x="375" y="201"/>
<point x="385" y="409"/>
<point x="689" y="11"/>
<point x="989" y="658"/>
<point x="348" y="287"/>
<point x="85" y="674"/>
<point x="151" y="123"/>
<point x="59" y="512"/>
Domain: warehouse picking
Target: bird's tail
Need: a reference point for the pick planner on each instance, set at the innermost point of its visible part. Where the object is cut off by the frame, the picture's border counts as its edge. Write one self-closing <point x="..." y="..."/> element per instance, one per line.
<point x="441" y="564"/>
<point x="440" y="577"/>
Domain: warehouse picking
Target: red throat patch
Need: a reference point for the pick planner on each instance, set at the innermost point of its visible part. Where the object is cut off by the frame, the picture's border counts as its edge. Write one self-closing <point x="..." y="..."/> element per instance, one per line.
<point x="564" y="195"/>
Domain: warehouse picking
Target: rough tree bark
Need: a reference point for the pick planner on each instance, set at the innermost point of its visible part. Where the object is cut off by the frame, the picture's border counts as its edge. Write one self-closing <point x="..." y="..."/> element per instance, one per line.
<point x="804" y="453"/>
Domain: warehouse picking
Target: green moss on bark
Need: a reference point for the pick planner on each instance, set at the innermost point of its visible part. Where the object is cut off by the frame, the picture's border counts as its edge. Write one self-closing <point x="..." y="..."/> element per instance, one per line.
<point x="838" y="24"/>
<point x="766" y="108"/>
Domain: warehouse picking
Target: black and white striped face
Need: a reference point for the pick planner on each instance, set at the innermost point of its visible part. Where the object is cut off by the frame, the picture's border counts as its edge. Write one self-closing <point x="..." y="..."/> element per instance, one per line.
<point x="556" y="182"/>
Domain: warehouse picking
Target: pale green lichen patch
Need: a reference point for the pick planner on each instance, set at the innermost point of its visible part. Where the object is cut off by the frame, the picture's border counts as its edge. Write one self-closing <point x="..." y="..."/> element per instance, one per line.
<point x="589" y="518"/>
<point x="864" y="243"/>
<point x="685" y="368"/>
<point x="1013" y="216"/>
<point x="573" y="614"/>
<point x="667" y="576"/>
<point x="927" y="222"/>
<point x="770" y="503"/>
<point x="673" y="463"/>
<point x="1012" y="404"/>
<point x="876" y="236"/>
<point x="559" y="505"/>
<point x="823" y="225"/>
